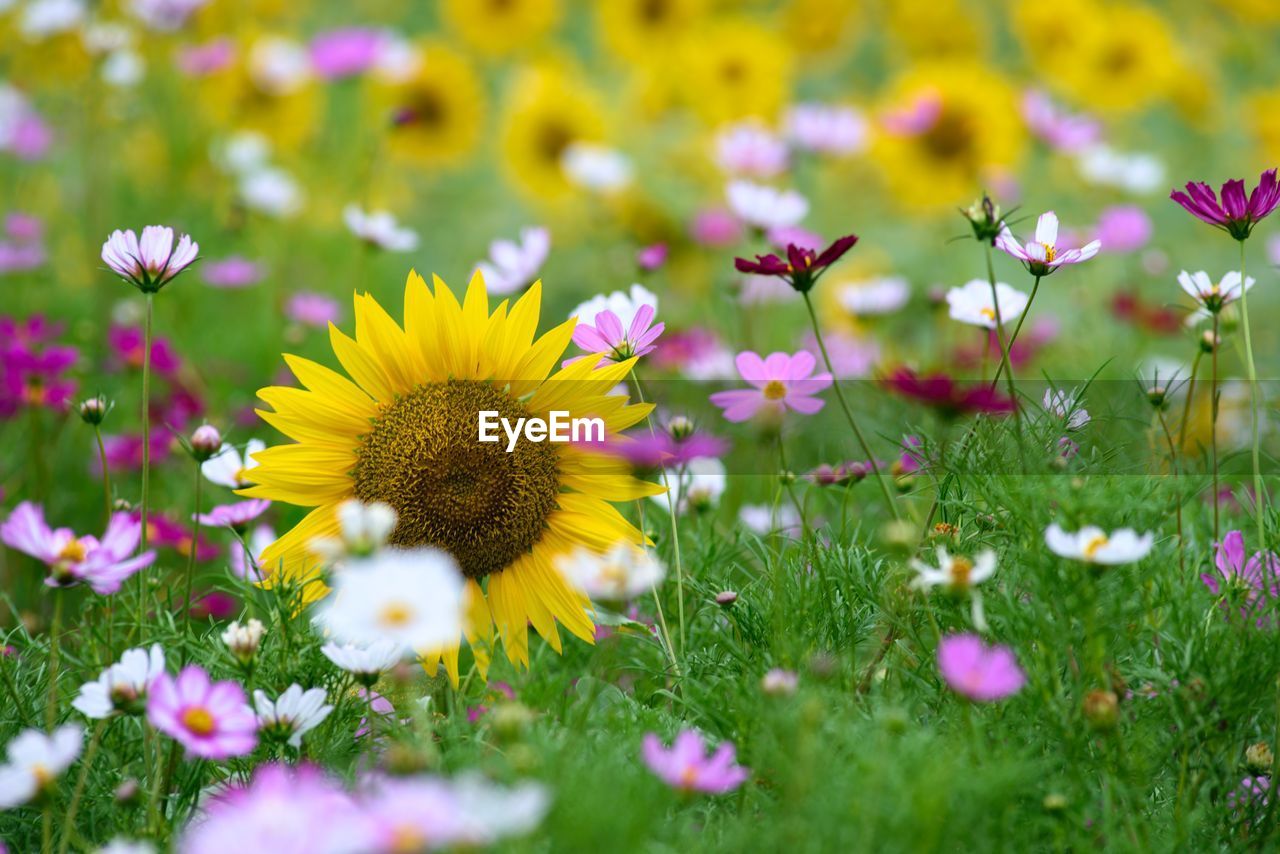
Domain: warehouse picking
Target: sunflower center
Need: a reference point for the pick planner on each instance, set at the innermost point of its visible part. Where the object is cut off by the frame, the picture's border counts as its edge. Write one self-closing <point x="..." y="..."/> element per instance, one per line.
<point x="950" y="138"/>
<point x="484" y="506"/>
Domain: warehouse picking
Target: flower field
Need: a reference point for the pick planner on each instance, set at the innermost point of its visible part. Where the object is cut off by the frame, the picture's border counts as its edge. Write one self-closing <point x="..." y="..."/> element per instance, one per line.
<point x="639" y="425"/>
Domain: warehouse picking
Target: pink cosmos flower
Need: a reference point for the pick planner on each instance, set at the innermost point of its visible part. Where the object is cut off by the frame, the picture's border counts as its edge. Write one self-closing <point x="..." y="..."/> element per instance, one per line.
<point x="32" y="371"/>
<point x="915" y="117"/>
<point x="151" y="262"/>
<point x="715" y="228"/>
<point x="1060" y="129"/>
<point x="751" y="150"/>
<point x="214" y="605"/>
<point x="127" y="344"/>
<point x="513" y="265"/>
<point x="382" y="707"/>
<point x="675" y="445"/>
<point x="202" y="60"/>
<point x="652" y="257"/>
<point x="236" y="515"/>
<point x="232" y="272"/>
<point x="23" y="131"/>
<point x="949" y="397"/>
<point x="827" y="129"/>
<point x="780" y="381"/>
<point x="167" y="533"/>
<point x="22" y="248"/>
<point x="1236" y="214"/>
<point x="1041" y="256"/>
<point x="241" y="565"/>
<point x="687" y="767"/>
<point x="1123" y="228"/>
<point x="852" y="356"/>
<point x="1248" y="584"/>
<point x="609" y="337"/>
<point x="412" y="814"/>
<point x="346" y="52"/>
<point x="312" y="309"/>
<point x="124" y="452"/>
<point x="102" y="564"/>
<point x="979" y="672"/>
<point x="211" y="720"/>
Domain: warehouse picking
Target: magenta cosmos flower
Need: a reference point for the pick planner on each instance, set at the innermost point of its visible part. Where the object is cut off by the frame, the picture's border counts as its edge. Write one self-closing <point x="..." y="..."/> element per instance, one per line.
<point x="1041" y="256"/>
<point x="686" y="765"/>
<point x="347" y="52"/>
<point x="151" y="262"/>
<point x="102" y="564"/>
<point x="1236" y="214"/>
<point x="943" y="393"/>
<point x="802" y="267"/>
<point x="211" y="720"/>
<point x="780" y="382"/>
<point x="618" y="344"/>
<point x="979" y="672"/>
<point x="1246" y="583"/>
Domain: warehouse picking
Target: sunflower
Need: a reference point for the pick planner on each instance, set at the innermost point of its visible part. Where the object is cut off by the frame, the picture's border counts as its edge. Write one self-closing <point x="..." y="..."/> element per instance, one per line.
<point x="974" y="134"/>
<point x="642" y="31"/>
<point x="548" y="110"/>
<point x="938" y="30"/>
<point x="403" y="430"/>
<point x="435" y="114"/>
<point x="501" y="27"/>
<point x="247" y="96"/>
<point x="735" y="68"/>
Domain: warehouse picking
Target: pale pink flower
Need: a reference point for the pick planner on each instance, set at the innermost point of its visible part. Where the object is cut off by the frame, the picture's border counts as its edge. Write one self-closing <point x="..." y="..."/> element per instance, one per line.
<point x="751" y="150"/>
<point x="512" y="265"/>
<point x="780" y="382"/>
<point x="979" y="672"/>
<point x="827" y="129"/>
<point x="1123" y="228"/>
<point x="202" y="60"/>
<point x="343" y="53"/>
<point x="915" y="117"/>
<point x="151" y="262"/>
<point x="715" y="227"/>
<point x="686" y="765"/>
<point x="1041" y="256"/>
<point x="1062" y="130"/>
<point x="313" y="309"/>
<point x="232" y="272"/>
<point x="243" y="563"/>
<point x="236" y="515"/>
<point x="102" y="564"/>
<point x="211" y="720"/>
<point x="608" y="335"/>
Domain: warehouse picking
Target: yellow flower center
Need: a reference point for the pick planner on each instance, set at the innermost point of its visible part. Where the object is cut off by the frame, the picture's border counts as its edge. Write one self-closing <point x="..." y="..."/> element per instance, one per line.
<point x="72" y="552"/>
<point x="961" y="569"/>
<point x="198" y="720"/>
<point x="774" y="390"/>
<point x="406" y="839"/>
<point x="988" y="313"/>
<point x="688" y="776"/>
<point x="396" y="615"/>
<point x="1091" y="548"/>
<point x="42" y="775"/>
<point x="1049" y="252"/>
<point x="484" y="506"/>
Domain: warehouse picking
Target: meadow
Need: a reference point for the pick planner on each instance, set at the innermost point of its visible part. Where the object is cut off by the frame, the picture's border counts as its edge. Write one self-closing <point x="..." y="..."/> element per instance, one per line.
<point x="930" y="343"/>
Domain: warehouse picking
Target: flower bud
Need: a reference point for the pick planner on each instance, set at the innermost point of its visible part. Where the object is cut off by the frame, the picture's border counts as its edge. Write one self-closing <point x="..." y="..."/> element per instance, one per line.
<point x="1209" y="342"/>
<point x="1102" y="709"/>
<point x="128" y="792"/>
<point x="1055" y="802"/>
<point x="93" y="410"/>
<point x="1259" y="759"/>
<point x="205" y="442"/>
<point x="679" y="427"/>
<point x="1158" y="396"/>
<point x="726" y="598"/>
<point x="985" y="218"/>
<point x="778" y="682"/>
<point x="243" y="641"/>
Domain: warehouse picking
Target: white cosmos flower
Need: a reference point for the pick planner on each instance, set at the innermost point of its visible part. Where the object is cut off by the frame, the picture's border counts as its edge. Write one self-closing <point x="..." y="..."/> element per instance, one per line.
<point x="623" y="572"/>
<point x="623" y="304"/>
<point x="954" y="571"/>
<point x="596" y="167"/>
<point x="120" y="845"/>
<point x="365" y="662"/>
<point x="489" y="811"/>
<point x="1093" y="545"/>
<point x="1066" y="405"/>
<point x="227" y="468"/>
<point x="293" y="714"/>
<point x="123" y="68"/>
<point x="270" y="191"/>
<point x="380" y="229"/>
<point x="1135" y="172"/>
<point x="1213" y="296"/>
<point x="972" y="303"/>
<point x="750" y="149"/>
<point x="364" y="529"/>
<point x="279" y="66"/>
<point x="880" y="295"/>
<point x="122" y="687"/>
<point x="765" y="207"/>
<point x="511" y="265"/>
<point x="827" y="129"/>
<point x="412" y="598"/>
<point x="34" y="762"/>
<point x="765" y="519"/>
<point x="241" y="153"/>
<point x="699" y="484"/>
<point x="43" y="18"/>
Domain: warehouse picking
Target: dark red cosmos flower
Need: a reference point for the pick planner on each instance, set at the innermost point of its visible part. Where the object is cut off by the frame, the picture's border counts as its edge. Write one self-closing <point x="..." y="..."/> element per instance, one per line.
<point x="802" y="267"/>
<point x="950" y="398"/>
<point x="1236" y="214"/>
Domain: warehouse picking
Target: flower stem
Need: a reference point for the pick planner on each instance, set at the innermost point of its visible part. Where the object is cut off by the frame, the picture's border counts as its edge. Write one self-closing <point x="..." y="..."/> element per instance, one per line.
<point x="1013" y="338"/>
<point x="1186" y="404"/>
<point x="55" y="629"/>
<point x="1252" y="374"/>
<point x="146" y="425"/>
<point x="1213" y="427"/>
<point x="191" y="556"/>
<point x="848" y="413"/>
<point x="1004" y="347"/>
<point x="106" y="474"/>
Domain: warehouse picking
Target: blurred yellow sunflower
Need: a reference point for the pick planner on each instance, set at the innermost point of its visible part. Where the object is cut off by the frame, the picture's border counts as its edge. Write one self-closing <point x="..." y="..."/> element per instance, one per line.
<point x="964" y="130"/>
<point x="941" y="29"/>
<point x="821" y="26"/>
<point x="547" y="111"/>
<point x="643" y="30"/>
<point x="434" y="114"/>
<point x="501" y="27"/>
<point x="402" y="430"/>
<point x="1257" y="11"/>
<point x="268" y="89"/>
<point x="1263" y="111"/>
<point x="735" y="68"/>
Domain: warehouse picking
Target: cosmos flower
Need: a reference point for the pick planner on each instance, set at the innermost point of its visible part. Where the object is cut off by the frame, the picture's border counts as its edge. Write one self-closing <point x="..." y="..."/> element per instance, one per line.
<point x="1041" y="255"/>
<point x="824" y="129"/>
<point x="33" y="371"/>
<point x="122" y="687"/>
<point x="34" y="760"/>
<point x="291" y="715"/>
<point x="1133" y="172"/>
<point x="414" y="813"/>
<point x="166" y="532"/>
<point x="363" y="528"/>
<point x="366" y="662"/>
<point x="608" y="337"/>
<point x="1123" y="228"/>
<point x="270" y="190"/>
<point x="22" y="248"/>
<point x="652" y="257"/>
<point x="696" y="485"/>
<point x="232" y="272"/>
<point x="514" y="266"/>
<point x="1065" y="405"/>
<point x="779" y="682"/>
<point x="243" y="640"/>
<point x="313" y="309"/>
<point x="750" y="150"/>
<point x="972" y="303"/>
<point x="779" y="382"/>
<point x="414" y="598"/>
<point x="165" y="16"/>
<point x="623" y="572"/>
<point x="625" y="304"/>
<point x="237" y="515"/>
<point x="764" y="207"/>
<point x="767" y="519"/>
<point x="201" y="60"/>
<point x="686" y="765"/>
<point x="228" y="468"/>
<point x="595" y="167"/>
<point x="875" y="296"/>
<point x="1212" y="296"/>
<point x="380" y="229"/>
<point x="677" y="443"/>
<point x="128" y="346"/>
<point x="715" y="228"/>
<point x="1236" y="214"/>
<point x="1093" y="545"/>
<point x="802" y="267"/>
<point x="245" y="565"/>
<point x="210" y="719"/>
<point x="949" y="397"/>
<point x="24" y="133"/>
<point x="978" y="672"/>
<point x="1061" y="130"/>
<point x="150" y="262"/>
<point x="1256" y="578"/>
<point x="102" y="564"/>
<point x="336" y="54"/>
<point x="956" y="573"/>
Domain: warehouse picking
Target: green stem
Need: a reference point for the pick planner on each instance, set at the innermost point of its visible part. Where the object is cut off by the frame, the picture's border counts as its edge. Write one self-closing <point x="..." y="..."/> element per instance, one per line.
<point x="68" y="821"/>
<point x="1016" y="329"/>
<point x="9" y="685"/>
<point x="191" y="555"/>
<point x="146" y="425"/>
<point x="848" y="413"/>
<point x="55" y="629"/>
<point x="1252" y="374"/>
<point x="1213" y="427"/>
<point x="106" y="474"/>
<point x="1191" y="393"/>
<point x="1005" y="364"/>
